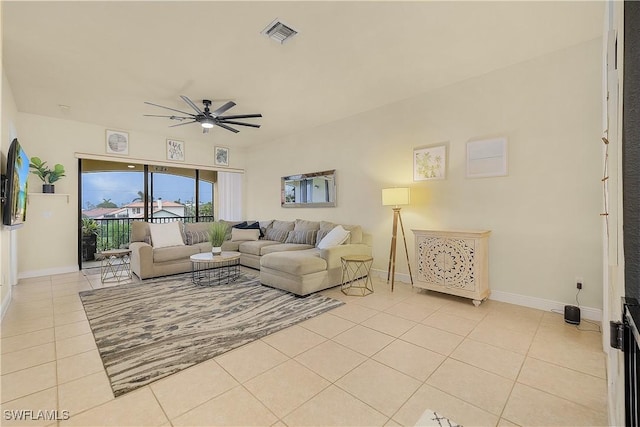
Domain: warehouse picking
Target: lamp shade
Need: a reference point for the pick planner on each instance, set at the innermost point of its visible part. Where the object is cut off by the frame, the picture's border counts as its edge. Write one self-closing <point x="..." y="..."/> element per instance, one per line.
<point x="395" y="196"/>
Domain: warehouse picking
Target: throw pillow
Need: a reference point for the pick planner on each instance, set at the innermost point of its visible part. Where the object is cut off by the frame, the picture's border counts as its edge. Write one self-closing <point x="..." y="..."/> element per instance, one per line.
<point x="244" y="234"/>
<point x="335" y="237"/>
<point x="252" y="226"/>
<point x="276" y="234"/>
<point x="194" y="237"/>
<point x="167" y="234"/>
<point x="305" y="237"/>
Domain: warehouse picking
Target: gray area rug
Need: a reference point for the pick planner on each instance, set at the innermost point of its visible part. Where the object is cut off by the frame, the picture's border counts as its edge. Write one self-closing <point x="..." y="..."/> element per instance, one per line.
<point x="149" y="330"/>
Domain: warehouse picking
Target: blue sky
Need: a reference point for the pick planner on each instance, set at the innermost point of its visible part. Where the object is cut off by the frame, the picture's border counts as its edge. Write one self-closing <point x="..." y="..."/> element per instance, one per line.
<point x="123" y="187"/>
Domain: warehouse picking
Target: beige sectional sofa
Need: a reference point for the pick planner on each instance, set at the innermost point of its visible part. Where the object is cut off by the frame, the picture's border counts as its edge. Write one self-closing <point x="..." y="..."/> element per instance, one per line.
<point x="286" y="255"/>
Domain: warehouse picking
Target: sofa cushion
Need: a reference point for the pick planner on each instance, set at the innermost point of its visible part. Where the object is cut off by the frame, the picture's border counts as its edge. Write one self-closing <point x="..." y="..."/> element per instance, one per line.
<point x="166" y="234"/>
<point x="297" y="263"/>
<point x="306" y="237"/>
<point x="140" y="232"/>
<point x="302" y="224"/>
<point x="173" y="253"/>
<point x="335" y="237"/>
<point x="283" y="247"/>
<point x="254" y="247"/>
<point x="276" y="234"/>
<point x="355" y="233"/>
<point x="242" y="234"/>
<point x="283" y="225"/>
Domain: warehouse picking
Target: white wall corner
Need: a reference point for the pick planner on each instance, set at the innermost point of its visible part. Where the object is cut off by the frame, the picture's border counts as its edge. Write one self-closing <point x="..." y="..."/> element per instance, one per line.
<point x="5" y="302"/>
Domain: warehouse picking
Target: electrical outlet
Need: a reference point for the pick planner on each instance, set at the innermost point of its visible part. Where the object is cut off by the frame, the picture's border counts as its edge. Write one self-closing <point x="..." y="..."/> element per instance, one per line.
<point x="579" y="282"/>
<point x="579" y="285"/>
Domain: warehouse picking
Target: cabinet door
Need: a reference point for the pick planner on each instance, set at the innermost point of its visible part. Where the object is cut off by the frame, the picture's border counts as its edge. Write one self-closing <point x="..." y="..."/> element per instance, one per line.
<point x="458" y="264"/>
<point x="431" y="260"/>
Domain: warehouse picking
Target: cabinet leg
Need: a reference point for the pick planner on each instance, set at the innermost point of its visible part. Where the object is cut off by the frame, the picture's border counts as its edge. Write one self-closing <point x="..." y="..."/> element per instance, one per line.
<point x="476" y="302"/>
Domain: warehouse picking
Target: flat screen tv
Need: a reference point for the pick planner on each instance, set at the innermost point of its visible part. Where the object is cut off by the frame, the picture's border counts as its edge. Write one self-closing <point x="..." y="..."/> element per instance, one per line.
<point x="14" y="208"/>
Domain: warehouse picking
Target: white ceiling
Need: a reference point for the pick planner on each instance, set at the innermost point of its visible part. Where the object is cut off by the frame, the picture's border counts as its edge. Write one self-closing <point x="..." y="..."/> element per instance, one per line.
<point x="104" y="59"/>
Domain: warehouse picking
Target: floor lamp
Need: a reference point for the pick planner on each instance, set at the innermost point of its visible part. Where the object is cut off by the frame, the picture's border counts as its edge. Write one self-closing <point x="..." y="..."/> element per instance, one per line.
<point x="396" y="197"/>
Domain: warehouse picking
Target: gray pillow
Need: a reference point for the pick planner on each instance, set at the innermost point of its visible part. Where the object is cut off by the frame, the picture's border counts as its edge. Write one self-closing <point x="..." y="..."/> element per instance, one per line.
<point x="276" y="234"/>
<point x="305" y="237"/>
<point x="194" y="237"/>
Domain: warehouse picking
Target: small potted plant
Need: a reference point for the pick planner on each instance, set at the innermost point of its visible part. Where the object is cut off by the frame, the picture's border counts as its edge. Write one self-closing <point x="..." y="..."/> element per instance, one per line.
<point x="46" y="174"/>
<point x="217" y="233"/>
<point x="90" y="231"/>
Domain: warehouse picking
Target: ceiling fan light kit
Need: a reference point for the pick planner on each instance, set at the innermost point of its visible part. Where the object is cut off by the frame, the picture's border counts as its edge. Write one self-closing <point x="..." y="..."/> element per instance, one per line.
<point x="207" y="118"/>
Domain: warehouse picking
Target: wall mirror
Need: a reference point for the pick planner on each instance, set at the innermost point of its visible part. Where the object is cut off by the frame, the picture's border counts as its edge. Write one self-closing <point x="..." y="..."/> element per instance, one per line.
<point x="309" y="190"/>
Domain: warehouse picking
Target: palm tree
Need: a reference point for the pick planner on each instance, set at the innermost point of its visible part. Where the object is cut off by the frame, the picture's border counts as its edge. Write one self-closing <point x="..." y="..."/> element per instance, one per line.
<point x="106" y="203"/>
<point x="139" y="198"/>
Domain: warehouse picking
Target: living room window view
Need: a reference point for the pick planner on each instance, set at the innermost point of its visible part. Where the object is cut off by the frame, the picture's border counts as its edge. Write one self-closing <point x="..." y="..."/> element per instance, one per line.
<point x="222" y="214"/>
<point x="110" y="201"/>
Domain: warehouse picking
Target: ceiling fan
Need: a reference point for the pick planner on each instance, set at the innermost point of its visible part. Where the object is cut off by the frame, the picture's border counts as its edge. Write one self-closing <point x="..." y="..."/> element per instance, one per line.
<point x="206" y="117"/>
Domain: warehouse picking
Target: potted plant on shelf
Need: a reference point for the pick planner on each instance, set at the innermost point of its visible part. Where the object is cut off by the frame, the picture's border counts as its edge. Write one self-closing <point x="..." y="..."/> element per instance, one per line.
<point x="46" y="174"/>
<point x="217" y="233"/>
<point x="90" y="231"/>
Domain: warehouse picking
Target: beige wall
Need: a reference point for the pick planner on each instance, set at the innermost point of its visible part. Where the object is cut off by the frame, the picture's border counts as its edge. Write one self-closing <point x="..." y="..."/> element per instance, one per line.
<point x="544" y="215"/>
<point x="52" y="225"/>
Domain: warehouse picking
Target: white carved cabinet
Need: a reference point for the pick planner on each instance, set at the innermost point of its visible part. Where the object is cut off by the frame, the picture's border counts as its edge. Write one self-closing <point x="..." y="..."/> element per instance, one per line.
<point x="453" y="262"/>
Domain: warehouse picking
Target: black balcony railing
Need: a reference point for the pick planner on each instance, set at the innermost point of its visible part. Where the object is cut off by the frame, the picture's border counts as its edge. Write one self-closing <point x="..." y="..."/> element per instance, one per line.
<point x="115" y="233"/>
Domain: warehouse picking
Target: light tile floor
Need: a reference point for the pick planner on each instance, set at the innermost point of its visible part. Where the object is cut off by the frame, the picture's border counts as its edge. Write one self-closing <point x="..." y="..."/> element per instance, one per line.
<point x="378" y="360"/>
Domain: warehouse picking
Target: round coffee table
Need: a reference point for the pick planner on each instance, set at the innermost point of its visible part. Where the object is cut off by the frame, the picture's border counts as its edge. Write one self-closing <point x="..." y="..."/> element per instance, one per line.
<point x="209" y="269"/>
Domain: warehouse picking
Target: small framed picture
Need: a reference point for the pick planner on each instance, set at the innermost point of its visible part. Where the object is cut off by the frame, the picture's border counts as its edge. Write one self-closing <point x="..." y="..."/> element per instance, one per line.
<point x="487" y="157"/>
<point x="221" y="156"/>
<point x="430" y="162"/>
<point x="175" y="150"/>
<point x="117" y="142"/>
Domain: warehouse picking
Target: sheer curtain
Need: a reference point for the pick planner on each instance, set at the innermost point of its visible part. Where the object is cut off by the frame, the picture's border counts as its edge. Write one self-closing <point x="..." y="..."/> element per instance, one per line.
<point x="229" y="196"/>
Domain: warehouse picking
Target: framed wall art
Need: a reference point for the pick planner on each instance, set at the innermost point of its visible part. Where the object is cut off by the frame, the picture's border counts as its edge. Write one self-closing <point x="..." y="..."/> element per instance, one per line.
<point x="175" y="150"/>
<point x="221" y="156"/>
<point x="486" y="158"/>
<point x="117" y="142"/>
<point x="430" y="162"/>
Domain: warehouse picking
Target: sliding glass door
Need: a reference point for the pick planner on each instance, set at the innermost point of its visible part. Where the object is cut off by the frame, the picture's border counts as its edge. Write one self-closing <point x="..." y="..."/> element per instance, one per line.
<point x="113" y="194"/>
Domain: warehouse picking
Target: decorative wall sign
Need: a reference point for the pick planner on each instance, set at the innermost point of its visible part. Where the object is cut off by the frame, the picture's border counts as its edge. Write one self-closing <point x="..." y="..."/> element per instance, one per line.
<point x="221" y="156"/>
<point x="430" y="162"/>
<point x="117" y="142"/>
<point x="175" y="150"/>
<point x="487" y="157"/>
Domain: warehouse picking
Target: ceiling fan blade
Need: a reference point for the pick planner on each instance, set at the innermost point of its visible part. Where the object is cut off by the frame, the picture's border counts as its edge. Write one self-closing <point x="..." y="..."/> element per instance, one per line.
<point x="222" y="109"/>
<point x="191" y="104"/>
<point x="231" y="122"/>
<point x="172" y="109"/>
<point x="182" y="124"/>
<point x="226" y="127"/>
<point x="168" y="117"/>
<point x="240" y="116"/>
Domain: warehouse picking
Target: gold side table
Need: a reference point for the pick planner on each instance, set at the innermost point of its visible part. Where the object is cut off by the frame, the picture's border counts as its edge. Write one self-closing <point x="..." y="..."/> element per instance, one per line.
<point x="356" y="280"/>
<point x="115" y="265"/>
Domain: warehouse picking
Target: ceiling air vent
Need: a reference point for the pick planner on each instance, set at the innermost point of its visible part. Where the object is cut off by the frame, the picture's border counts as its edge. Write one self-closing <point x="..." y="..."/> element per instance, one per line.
<point x="279" y="31"/>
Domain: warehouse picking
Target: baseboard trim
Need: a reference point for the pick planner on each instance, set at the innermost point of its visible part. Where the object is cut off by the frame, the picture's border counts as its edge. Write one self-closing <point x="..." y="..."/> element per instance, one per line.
<point x="511" y="298"/>
<point x="589" y="313"/>
<point x="48" y="272"/>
